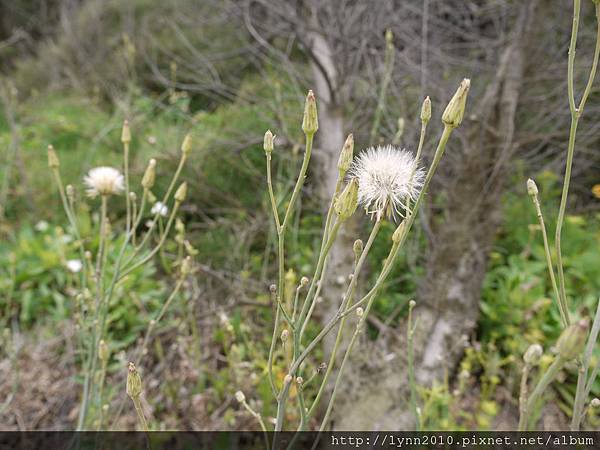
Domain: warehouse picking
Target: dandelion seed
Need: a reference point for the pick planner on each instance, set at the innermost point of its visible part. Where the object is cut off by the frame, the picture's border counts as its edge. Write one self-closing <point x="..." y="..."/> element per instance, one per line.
<point x="74" y="265"/>
<point x="388" y="178"/>
<point x="161" y="209"/>
<point x="104" y="181"/>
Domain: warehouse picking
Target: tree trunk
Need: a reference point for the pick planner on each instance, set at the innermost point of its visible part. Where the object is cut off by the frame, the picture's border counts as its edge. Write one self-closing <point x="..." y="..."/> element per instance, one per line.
<point x="376" y="393"/>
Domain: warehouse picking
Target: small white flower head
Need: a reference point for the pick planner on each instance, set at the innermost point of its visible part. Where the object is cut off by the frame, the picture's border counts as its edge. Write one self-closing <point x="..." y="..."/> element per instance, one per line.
<point x="104" y="181"/>
<point x="388" y="177"/>
<point x="160" y="208"/>
<point x="74" y="265"/>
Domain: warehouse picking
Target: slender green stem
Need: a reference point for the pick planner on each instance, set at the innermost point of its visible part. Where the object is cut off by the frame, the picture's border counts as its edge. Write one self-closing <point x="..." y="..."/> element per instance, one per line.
<point x="271" y="194"/>
<point x="541" y="386"/>
<point x="140" y="413"/>
<point x="347" y="298"/>
<point x="523" y="398"/>
<point x="260" y="420"/>
<point x="410" y="331"/>
<point x="563" y="312"/>
<point x="126" y="171"/>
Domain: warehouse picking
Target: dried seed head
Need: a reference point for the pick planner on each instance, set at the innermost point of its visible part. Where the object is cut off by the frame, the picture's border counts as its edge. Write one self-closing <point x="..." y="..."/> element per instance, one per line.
<point x="310" y="121"/>
<point x="181" y="192"/>
<point x="240" y="397"/>
<point x="345" y="205"/>
<point x="134" y="382"/>
<point x="595" y="403"/>
<point x="412" y="304"/>
<point x="299" y="380"/>
<point x="426" y="110"/>
<point x="304" y="281"/>
<point x="572" y="340"/>
<point x="454" y="112"/>
<point x="149" y="175"/>
<point x="186" y="145"/>
<point x="268" y="142"/>
<point x="533" y="354"/>
<point x="103" y="351"/>
<point x="345" y="160"/>
<point x="53" y="162"/>
<point x="160" y="208"/>
<point x="273" y="289"/>
<point x="104" y="181"/>
<point x="125" y="133"/>
<point x="532" y="188"/>
<point x="388" y="179"/>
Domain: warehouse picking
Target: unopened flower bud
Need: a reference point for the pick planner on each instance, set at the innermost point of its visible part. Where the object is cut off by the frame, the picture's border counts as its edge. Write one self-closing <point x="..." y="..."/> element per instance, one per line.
<point x="149" y="175"/>
<point x="398" y="232"/>
<point x="299" y="380"/>
<point x="240" y="397"/>
<point x="288" y="379"/>
<point x="186" y="145"/>
<point x="454" y="112"/>
<point x="310" y="121"/>
<point x="532" y="188"/>
<point x="273" y="289"/>
<point x="134" y="382"/>
<point x="572" y="340"/>
<point x="53" y="162"/>
<point x="357" y="248"/>
<point x="186" y="266"/>
<point x="181" y="193"/>
<point x="284" y="335"/>
<point x="126" y="133"/>
<point x="268" y="142"/>
<point x="133" y="197"/>
<point x="346" y="156"/>
<point x="533" y="354"/>
<point x="426" y="110"/>
<point x="360" y="312"/>
<point x="304" y="281"/>
<point x="412" y="304"/>
<point x="595" y="403"/>
<point x="346" y="203"/>
<point x="103" y="351"/>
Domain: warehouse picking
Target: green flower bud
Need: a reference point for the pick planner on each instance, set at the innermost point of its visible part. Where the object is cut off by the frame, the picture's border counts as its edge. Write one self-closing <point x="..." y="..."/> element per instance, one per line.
<point x="346" y="203"/>
<point x="310" y="121"/>
<point x="103" y="351"/>
<point x="53" y="162"/>
<point x="125" y="133"/>
<point x="454" y="112"/>
<point x="149" y="175"/>
<point x="181" y="193"/>
<point x="533" y="354"/>
<point x="357" y="248"/>
<point x="134" y="382"/>
<point x="186" y="146"/>
<point x="572" y="340"/>
<point x="398" y="232"/>
<point x="346" y="156"/>
<point x="426" y="110"/>
<point x="268" y="142"/>
<point x="532" y="188"/>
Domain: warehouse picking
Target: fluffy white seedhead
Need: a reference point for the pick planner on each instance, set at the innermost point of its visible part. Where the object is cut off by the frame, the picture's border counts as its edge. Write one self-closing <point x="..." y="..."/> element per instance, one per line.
<point x="160" y="208"/>
<point x="103" y="181"/>
<point x="388" y="178"/>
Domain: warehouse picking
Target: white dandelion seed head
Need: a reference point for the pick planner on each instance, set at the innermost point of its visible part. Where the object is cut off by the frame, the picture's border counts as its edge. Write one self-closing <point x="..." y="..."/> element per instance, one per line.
<point x="160" y="208"/>
<point x="388" y="178"/>
<point x="74" y="265"/>
<point x="104" y="181"/>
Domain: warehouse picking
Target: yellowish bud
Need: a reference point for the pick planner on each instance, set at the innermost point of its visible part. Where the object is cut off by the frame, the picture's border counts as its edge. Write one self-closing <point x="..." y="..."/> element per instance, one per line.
<point x="304" y="281"/>
<point x="181" y="193"/>
<point x="426" y="110"/>
<point x="454" y="112"/>
<point x="310" y="121"/>
<point x="134" y="382"/>
<point x="532" y="188"/>
<point x="268" y="142"/>
<point x="360" y="312"/>
<point x="126" y="133"/>
<point x="149" y="175"/>
<point x="103" y="351"/>
<point x="186" y="146"/>
<point x="346" y="203"/>
<point x="288" y="379"/>
<point x="572" y="340"/>
<point x="53" y="162"/>
<point x="346" y="156"/>
<point x="358" y="248"/>
<point x="533" y="354"/>
<point x="398" y="232"/>
<point x="284" y="335"/>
